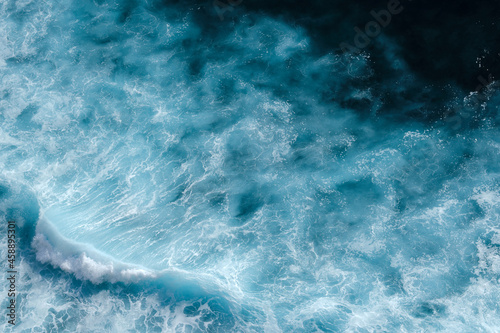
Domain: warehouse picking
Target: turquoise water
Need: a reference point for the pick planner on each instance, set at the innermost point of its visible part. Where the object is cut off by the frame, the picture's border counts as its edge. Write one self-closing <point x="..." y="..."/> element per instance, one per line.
<point x="171" y="176"/>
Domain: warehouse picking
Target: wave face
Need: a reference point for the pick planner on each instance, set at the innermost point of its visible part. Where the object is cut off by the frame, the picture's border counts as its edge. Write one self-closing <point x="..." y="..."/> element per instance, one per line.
<point x="172" y="171"/>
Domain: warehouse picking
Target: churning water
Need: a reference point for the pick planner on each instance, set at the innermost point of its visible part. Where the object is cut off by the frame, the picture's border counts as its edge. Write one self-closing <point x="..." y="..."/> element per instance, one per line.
<point x="169" y="174"/>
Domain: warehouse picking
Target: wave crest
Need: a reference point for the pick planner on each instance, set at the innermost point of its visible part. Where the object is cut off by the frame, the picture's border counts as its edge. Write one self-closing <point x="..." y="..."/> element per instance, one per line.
<point x="84" y="262"/>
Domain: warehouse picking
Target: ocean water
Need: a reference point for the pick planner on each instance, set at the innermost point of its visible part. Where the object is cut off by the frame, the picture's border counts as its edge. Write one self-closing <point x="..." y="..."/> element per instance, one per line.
<point x="174" y="169"/>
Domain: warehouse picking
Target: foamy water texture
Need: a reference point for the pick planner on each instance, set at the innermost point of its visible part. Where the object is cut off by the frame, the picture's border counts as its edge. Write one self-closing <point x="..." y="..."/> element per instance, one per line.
<point x="169" y="174"/>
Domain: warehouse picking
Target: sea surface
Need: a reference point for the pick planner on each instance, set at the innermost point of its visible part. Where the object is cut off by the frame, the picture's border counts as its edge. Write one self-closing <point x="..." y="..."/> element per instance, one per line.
<point x="176" y="167"/>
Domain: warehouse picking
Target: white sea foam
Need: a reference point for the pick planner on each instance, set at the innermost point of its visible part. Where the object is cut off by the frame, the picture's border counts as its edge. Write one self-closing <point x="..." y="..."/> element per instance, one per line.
<point x="81" y="260"/>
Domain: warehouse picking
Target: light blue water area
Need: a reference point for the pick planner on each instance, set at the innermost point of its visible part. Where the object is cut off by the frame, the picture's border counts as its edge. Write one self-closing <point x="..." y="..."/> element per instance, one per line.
<point x="172" y="176"/>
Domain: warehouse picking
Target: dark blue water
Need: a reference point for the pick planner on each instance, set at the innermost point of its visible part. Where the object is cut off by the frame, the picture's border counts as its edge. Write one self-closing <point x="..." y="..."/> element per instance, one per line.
<point x="193" y="167"/>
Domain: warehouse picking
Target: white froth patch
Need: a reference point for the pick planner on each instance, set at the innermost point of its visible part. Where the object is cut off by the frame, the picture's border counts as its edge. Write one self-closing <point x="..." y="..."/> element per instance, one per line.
<point x="489" y="259"/>
<point x="7" y="140"/>
<point x="84" y="267"/>
<point x="487" y="198"/>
